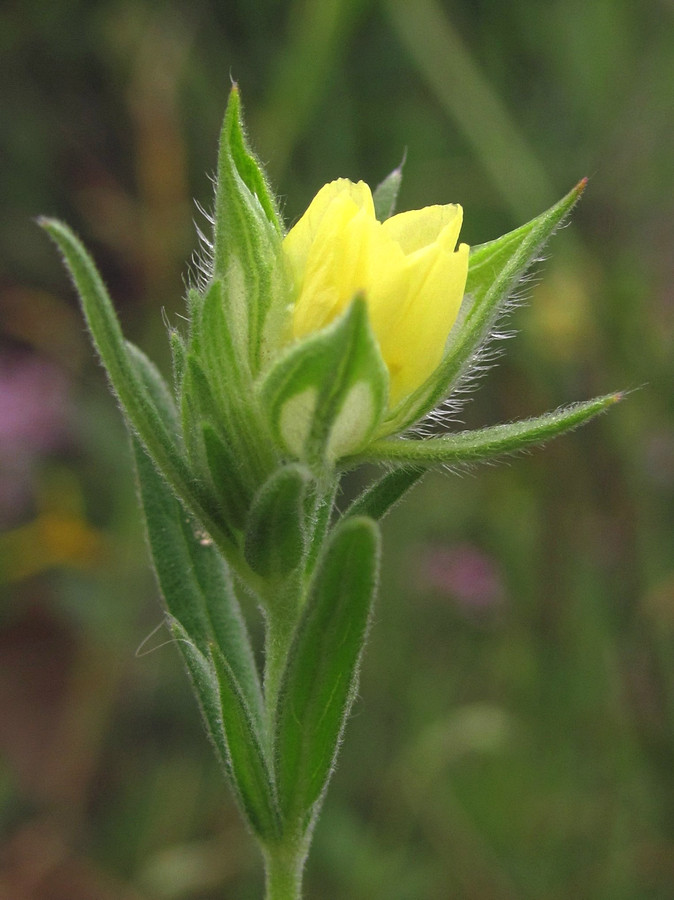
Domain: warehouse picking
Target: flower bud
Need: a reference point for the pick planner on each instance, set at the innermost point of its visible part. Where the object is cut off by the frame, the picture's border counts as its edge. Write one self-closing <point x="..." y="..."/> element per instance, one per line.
<point x="407" y="268"/>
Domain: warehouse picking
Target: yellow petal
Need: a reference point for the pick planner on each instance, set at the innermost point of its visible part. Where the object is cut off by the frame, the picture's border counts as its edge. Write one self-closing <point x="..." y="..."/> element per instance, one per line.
<point x="297" y="243"/>
<point x="413" y="349"/>
<point x="418" y="228"/>
<point x="336" y="263"/>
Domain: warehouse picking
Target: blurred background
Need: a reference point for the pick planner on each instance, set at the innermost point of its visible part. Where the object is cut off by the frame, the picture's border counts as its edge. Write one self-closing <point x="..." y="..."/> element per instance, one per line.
<point x="514" y="737"/>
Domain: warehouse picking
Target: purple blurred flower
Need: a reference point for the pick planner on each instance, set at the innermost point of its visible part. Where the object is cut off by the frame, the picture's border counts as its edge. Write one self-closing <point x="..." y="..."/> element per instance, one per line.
<point x="34" y="411"/>
<point x="466" y="574"/>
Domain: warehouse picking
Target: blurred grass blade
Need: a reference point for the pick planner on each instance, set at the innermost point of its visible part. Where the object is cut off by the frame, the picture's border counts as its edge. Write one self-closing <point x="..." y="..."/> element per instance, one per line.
<point x="320" y="680"/>
<point x="436" y="48"/>
<point x="487" y="443"/>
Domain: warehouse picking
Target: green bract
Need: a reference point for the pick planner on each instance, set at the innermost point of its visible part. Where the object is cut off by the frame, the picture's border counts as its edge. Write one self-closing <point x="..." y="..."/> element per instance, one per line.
<point x="239" y="460"/>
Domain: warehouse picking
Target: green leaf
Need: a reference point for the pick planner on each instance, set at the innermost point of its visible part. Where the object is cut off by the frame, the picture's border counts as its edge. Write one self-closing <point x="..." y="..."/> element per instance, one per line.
<point x="275" y="538"/>
<point x="212" y="343"/>
<point x="205" y="685"/>
<point x="385" y="195"/>
<point x="194" y="580"/>
<point x="249" y="765"/>
<point x="213" y="640"/>
<point x="234" y="734"/>
<point x="382" y="495"/>
<point x="495" y="270"/>
<point x="486" y="443"/>
<point x="135" y="382"/>
<point x="320" y="680"/>
<point x="326" y="395"/>
<point x="156" y="388"/>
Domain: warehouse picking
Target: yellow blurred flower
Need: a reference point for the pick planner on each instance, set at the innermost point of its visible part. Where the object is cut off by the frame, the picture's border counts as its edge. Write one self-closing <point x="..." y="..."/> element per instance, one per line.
<point x="408" y="268"/>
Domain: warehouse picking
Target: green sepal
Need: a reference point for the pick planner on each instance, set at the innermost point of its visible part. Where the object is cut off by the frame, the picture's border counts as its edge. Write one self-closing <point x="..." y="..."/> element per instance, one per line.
<point x="178" y="359"/>
<point x="247" y="243"/>
<point x="494" y="271"/>
<point x="321" y="675"/>
<point x="194" y="579"/>
<point x="211" y="341"/>
<point x="222" y="470"/>
<point x="217" y="390"/>
<point x="135" y="382"/>
<point x="275" y="535"/>
<point x="225" y="480"/>
<point x="485" y="443"/>
<point x="326" y="395"/>
<point x="385" y="195"/>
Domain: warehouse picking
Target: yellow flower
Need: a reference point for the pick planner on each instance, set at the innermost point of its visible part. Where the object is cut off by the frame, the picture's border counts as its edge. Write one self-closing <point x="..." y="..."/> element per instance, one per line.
<point x="408" y="268"/>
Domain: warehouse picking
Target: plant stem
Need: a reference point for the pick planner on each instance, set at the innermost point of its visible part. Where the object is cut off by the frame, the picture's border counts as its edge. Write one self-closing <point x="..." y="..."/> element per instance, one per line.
<point x="283" y="870"/>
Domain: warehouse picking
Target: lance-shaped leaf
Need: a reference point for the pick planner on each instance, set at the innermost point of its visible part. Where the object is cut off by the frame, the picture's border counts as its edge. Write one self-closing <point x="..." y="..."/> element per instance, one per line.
<point x="485" y="443"/>
<point x="320" y="680"/>
<point x="384" y="493"/>
<point x="247" y="239"/>
<point x="205" y="684"/>
<point x="326" y="395"/>
<point x="495" y="270"/>
<point x="194" y="580"/>
<point x="385" y="195"/>
<point x="144" y="400"/>
<point x="275" y="538"/>
<point x="249" y="764"/>
<point x="214" y="643"/>
<point x="234" y="734"/>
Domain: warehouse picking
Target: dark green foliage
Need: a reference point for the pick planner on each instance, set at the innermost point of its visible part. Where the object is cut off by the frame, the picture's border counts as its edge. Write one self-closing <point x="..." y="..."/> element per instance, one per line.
<point x="321" y="674"/>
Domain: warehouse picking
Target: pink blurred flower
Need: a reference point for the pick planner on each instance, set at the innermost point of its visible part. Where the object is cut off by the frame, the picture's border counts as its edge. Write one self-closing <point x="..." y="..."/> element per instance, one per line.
<point x="466" y="574"/>
<point x="34" y="410"/>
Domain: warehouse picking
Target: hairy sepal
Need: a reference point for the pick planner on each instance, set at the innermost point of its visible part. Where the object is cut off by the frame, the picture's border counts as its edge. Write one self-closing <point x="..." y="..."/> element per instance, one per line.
<point x="325" y="397"/>
<point x="275" y="534"/>
<point x="246" y="250"/>
<point x="486" y="443"/>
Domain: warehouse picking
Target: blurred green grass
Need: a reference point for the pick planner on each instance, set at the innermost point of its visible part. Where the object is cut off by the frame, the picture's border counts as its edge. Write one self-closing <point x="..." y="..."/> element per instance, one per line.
<point x="514" y="737"/>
